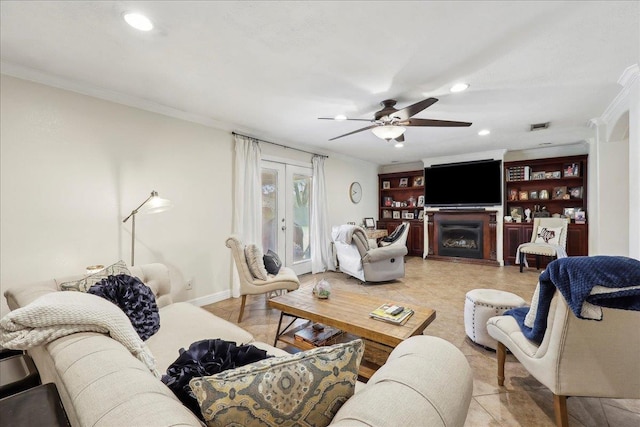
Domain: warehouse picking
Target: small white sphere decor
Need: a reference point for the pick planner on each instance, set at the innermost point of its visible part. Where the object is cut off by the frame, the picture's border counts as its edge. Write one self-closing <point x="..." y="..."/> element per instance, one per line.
<point x="322" y="289"/>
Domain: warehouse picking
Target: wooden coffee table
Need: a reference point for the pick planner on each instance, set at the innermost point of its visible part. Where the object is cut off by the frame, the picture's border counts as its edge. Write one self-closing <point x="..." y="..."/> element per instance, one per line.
<point x="348" y="312"/>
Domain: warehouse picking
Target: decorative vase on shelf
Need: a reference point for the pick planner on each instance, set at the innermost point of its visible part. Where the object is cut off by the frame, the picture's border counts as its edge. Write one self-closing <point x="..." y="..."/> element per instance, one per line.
<point x="322" y="289"/>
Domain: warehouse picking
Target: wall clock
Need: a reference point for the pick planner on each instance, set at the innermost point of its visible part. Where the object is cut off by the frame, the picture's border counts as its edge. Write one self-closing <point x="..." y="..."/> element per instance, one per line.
<point x="355" y="192"/>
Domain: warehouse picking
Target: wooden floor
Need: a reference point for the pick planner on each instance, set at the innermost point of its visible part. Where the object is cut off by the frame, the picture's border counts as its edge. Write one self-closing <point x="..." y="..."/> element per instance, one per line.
<point x="442" y="286"/>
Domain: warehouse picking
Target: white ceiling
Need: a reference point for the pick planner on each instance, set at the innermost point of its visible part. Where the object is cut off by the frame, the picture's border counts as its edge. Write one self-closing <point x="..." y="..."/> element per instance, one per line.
<point x="270" y="69"/>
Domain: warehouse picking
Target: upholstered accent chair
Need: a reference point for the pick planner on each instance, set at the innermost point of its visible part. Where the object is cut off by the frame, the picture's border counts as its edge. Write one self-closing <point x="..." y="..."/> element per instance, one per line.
<point x="397" y="236"/>
<point x="576" y="357"/>
<point x="369" y="264"/>
<point x="549" y="238"/>
<point x="286" y="279"/>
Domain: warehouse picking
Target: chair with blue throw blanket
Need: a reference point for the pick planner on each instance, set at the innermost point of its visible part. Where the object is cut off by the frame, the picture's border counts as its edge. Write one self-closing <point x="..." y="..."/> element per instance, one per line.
<point x="583" y="340"/>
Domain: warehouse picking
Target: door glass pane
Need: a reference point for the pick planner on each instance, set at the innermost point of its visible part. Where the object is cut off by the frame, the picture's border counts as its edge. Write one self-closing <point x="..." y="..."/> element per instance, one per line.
<point x="301" y="214"/>
<point x="269" y="210"/>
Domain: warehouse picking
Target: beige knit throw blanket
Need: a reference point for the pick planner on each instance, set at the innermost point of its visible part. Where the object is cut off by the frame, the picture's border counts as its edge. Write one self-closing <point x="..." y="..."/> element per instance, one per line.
<point x="58" y="314"/>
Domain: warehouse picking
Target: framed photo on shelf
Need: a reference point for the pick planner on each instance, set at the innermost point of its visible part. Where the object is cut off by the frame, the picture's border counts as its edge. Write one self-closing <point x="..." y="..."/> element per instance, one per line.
<point x="559" y="192"/>
<point x="580" y="217"/>
<point x="420" y="201"/>
<point x="513" y="194"/>
<point x="533" y="195"/>
<point x="575" y="192"/>
<point x="396" y="214"/>
<point x="569" y="212"/>
<point x="386" y="214"/>
<point x="523" y="195"/>
<point x="516" y="213"/>
<point x="571" y="169"/>
<point x="408" y="215"/>
<point x="538" y="175"/>
<point x="556" y="174"/>
<point x="369" y="223"/>
<point x="544" y="195"/>
<point x="404" y="214"/>
<point x="403" y="182"/>
<point x="387" y="201"/>
<point x="418" y="181"/>
<point x="386" y="185"/>
<point x="421" y="215"/>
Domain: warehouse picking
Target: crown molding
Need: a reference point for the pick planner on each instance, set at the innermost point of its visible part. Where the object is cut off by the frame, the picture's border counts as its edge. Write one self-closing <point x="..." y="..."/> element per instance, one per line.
<point x="620" y="103"/>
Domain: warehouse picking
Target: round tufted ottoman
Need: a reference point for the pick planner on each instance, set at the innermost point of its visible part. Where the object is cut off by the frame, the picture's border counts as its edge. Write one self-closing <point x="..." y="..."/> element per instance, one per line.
<point x="482" y="304"/>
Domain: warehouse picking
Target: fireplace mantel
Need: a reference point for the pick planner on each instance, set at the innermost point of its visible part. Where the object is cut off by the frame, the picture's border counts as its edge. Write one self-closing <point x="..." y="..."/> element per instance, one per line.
<point x="489" y="243"/>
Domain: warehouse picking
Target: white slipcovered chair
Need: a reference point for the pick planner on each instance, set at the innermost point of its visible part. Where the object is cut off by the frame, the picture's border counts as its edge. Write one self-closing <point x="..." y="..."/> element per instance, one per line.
<point x="577" y="357"/>
<point x="397" y="236"/>
<point x="286" y="279"/>
<point x="549" y="238"/>
<point x="369" y="264"/>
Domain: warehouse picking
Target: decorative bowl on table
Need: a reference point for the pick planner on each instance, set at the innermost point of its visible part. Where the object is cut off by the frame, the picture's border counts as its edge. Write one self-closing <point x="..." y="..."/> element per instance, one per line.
<point x="322" y="289"/>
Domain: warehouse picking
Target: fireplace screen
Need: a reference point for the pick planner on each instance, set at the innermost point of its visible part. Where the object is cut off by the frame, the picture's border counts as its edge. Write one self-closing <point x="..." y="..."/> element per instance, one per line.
<point x="460" y="239"/>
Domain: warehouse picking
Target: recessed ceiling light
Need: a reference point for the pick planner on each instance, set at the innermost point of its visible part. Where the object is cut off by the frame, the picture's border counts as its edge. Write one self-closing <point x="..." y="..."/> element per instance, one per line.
<point x="138" y="21"/>
<point x="340" y="117"/>
<point x="459" y="87"/>
<point x="399" y="145"/>
<point x="484" y="132"/>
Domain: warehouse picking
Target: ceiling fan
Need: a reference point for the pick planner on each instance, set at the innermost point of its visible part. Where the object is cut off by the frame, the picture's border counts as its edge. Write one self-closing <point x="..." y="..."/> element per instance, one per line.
<point x="390" y="123"/>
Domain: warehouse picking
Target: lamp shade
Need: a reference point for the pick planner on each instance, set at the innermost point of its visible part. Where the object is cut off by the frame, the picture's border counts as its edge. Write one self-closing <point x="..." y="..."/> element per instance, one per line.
<point x="388" y="132"/>
<point x="156" y="204"/>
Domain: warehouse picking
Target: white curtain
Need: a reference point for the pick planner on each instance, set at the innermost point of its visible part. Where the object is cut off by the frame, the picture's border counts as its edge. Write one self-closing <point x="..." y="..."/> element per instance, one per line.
<point x="321" y="258"/>
<point x="247" y="197"/>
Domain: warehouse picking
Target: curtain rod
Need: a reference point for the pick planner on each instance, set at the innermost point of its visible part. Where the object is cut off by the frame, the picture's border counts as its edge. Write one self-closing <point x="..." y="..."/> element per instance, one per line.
<point x="280" y="145"/>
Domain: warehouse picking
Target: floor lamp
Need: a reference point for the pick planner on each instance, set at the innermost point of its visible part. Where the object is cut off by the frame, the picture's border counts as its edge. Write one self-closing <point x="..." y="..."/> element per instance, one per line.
<point x="153" y="204"/>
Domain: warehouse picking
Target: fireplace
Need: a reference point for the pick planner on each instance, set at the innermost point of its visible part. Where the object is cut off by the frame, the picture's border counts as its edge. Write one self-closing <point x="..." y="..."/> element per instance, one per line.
<point x="460" y="239"/>
<point x="462" y="236"/>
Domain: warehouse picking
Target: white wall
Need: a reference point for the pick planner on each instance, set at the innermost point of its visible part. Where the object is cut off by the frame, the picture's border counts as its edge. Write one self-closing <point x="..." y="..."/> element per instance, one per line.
<point x="73" y="166"/>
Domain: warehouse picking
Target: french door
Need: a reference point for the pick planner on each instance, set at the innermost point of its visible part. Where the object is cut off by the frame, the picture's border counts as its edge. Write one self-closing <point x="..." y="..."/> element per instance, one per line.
<point x="286" y="211"/>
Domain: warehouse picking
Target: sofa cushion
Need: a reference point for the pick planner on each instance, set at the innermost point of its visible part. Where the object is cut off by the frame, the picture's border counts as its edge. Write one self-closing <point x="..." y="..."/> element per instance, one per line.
<point x="85" y="283"/>
<point x="306" y="388"/>
<point x="255" y="261"/>
<point x="272" y="262"/>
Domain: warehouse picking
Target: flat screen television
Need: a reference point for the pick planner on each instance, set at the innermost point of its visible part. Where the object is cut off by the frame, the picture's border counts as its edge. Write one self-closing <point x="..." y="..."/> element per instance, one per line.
<point x="467" y="184"/>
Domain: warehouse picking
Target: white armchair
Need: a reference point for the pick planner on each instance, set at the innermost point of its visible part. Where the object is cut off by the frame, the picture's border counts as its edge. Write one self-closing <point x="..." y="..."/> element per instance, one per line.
<point x="549" y="238"/>
<point x="369" y="264"/>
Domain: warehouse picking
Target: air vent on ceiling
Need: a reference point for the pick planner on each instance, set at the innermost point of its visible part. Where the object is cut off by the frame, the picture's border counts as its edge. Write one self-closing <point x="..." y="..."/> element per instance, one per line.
<point x="540" y="126"/>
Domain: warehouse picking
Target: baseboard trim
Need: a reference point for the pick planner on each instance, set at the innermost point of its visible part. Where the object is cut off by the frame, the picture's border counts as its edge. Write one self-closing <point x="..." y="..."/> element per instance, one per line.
<point x="210" y="299"/>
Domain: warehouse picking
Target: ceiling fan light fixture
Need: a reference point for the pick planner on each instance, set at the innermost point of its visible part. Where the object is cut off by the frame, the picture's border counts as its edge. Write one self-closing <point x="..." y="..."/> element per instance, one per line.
<point x="459" y="87"/>
<point x="484" y="132"/>
<point x="388" y="132"/>
<point x="340" y="117"/>
<point x="399" y="144"/>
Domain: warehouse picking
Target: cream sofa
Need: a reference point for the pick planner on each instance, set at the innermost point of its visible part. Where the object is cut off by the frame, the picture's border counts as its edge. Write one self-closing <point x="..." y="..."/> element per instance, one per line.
<point x="426" y="381"/>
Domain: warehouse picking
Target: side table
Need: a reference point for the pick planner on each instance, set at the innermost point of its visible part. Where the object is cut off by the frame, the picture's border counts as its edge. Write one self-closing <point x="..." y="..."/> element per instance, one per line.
<point x="38" y="406"/>
<point x="17" y="373"/>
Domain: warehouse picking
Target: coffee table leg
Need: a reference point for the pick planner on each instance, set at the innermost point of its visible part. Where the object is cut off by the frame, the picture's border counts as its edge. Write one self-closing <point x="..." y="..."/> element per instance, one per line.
<point x="280" y="332"/>
<point x="275" y="341"/>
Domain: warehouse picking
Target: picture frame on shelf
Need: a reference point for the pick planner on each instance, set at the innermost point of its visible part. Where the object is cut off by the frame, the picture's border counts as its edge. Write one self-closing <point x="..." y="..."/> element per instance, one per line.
<point x="575" y="192"/>
<point x="571" y="170"/>
<point x="533" y="195"/>
<point x="569" y="212"/>
<point x="517" y="213"/>
<point x="548" y="175"/>
<point x="420" y="201"/>
<point x="556" y="174"/>
<point x="386" y="185"/>
<point x="396" y="214"/>
<point x="544" y="195"/>
<point x="403" y="182"/>
<point x="404" y="214"/>
<point x="386" y="214"/>
<point x="409" y="215"/>
<point x="523" y="195"/>
<point x="559" y="192"/>
<point x="369" y="223"/>
<point x="513" y="195"/>
<point x="418" y="181"/>
<point x="538" y="175"/>
<point x="580" y="217"/>
<point x="387" y="201"/>
<point x="421" y="216"/>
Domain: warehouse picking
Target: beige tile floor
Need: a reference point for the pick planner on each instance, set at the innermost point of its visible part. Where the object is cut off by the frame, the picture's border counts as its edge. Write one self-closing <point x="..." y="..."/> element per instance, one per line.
<point x="442" y="286"/>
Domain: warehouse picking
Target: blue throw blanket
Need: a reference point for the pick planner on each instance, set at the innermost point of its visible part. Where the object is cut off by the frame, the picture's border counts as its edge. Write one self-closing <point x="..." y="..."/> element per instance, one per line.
<point x="584" y="282"/>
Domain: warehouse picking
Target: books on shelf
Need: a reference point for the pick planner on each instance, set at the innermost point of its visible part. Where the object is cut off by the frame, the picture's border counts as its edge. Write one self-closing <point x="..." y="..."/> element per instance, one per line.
<point x="384" y="313"/>
<point x="519" y="173"/>
<point x="317" y="336"/>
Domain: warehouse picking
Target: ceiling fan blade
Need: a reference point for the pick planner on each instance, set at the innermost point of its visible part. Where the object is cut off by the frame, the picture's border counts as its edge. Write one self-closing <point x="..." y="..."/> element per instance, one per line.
<point x="400" y="138"/>
<point x="355" y="131"/>
<point x="434" y="123"/>
<point x="414" y="109"/>
<point x="342" y="120"/>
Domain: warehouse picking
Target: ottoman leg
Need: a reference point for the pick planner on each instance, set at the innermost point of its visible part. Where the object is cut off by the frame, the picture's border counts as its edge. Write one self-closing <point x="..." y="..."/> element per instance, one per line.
<point x="501" y="355"/>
